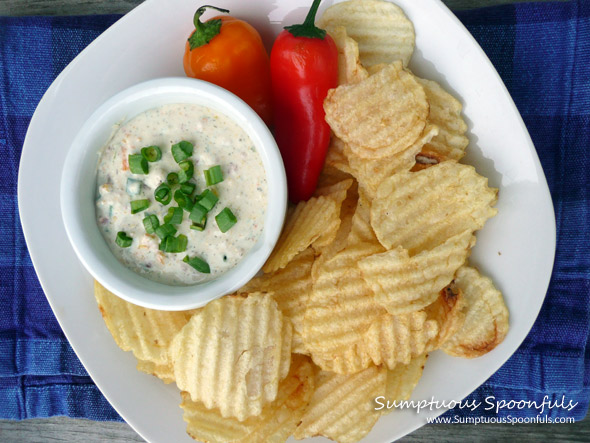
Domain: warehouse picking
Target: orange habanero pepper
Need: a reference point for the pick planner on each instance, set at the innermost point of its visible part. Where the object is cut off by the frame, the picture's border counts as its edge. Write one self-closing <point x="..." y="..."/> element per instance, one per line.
<point x="229" y="53"/>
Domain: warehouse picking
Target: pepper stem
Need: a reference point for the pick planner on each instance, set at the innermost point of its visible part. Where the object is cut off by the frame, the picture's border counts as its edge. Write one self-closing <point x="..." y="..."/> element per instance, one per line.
<point x="204" y="32"/>
<point x="308" y="27"/>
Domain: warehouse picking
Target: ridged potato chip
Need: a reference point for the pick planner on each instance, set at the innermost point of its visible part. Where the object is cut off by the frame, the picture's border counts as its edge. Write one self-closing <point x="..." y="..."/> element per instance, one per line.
<point x="341" y="308"/>
<point x="290" y="287"/>
<point x="336" y="156"/>
<point x="421" y="210"/>
<point x="445" y="113"/>
<point x="145" y="332"/>
<point x="371" y="172"/>
<point x="397" y="339"/>
<point x="343" y="406"/>
<point x="350" y="69"/>
<point x="338" y="193"/>
<point x="379" y="116"/>
<point x="164" y="372"/>
<point x="231" y="354"/>
<point x="401" y="382"/>
<point x="382" y="30"/>
<point x="486" y="318"/>
<point x="276" y="422"/>
<point x="449" y="312"/>
<point x="402" y="284"/>
<point x="313" y="220"/>
<point x="361" y="230"/>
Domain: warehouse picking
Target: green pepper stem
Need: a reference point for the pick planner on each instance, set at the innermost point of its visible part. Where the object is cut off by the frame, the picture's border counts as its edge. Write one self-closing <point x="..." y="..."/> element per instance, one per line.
<point x="204" y="32"/>
<point x="308" y="27"/>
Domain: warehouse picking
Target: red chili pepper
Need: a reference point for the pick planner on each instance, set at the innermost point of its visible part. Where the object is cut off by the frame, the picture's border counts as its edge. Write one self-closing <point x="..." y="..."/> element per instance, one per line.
<point x="303" y="67"/>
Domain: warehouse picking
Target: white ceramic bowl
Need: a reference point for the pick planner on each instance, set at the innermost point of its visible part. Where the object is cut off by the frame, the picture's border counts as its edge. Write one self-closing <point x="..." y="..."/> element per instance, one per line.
<point x="78" y="189"/>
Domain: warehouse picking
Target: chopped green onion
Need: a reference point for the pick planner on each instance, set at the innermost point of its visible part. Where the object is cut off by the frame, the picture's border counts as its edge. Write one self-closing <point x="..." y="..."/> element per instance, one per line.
<point x="213" y="175"/>
<point x="182" y="150"/>
<point x="200" y="226"/>
<point x="150" y="223"/>
<point x="163" y="194"/>
<point x="151" y="153"/>
<point x="187" y="169"/>
<point x="174" y="216"/>
<point x="174" y="245"/>
<point x="183" y="200"/>
<point x="188" y="188"/>
<point x="139" y="205"/>
<point x="165" y="230"/>
<point x="225" y="220"/>
<point x="133" y="186"/>
<point x="172" y="179"/>
<point x="138" y="164"/>
<point x="197" y="213"/>
<point x="208" y="199"/>
<point x="123" y="240"/>
<point x="198" y="263"/>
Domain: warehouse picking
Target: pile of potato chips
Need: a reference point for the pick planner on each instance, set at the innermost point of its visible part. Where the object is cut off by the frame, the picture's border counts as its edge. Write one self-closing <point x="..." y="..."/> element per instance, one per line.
<point x="367" y="278"/>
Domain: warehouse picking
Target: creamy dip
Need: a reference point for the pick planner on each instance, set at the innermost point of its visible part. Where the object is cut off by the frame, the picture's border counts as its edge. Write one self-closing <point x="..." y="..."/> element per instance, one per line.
<point x="217" y="140"/>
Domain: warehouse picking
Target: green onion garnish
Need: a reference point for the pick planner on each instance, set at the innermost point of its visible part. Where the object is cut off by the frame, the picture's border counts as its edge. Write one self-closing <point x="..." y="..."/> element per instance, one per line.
<point x="186" y="172"/>
<point x="165" y="230"/>
<point x="198" y="263"/>
<point x="183" y="200"/>
<point x="174" y="245"/>
<point x="174" y="216"/>
<point x="200" y="226"/>
<point x="123" y="240"/>
<point x="213" y="175"/>
<point x="208" y="199"/>
<point x="182" y="150"/>
<point x="138" y="164"/>
<point x="150" y="223"/>
<point x="151" y="153"/>
<point x="225" y="220"/>
<point x="139" y="205"/>
<point x="197" y="213"/>
<point x="163" y="194"/>
<point x="188" y="188"/>
<point x="172" y="179"/>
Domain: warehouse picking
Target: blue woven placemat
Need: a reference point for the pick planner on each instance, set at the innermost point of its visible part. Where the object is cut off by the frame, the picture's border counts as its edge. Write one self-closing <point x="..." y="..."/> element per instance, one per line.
<point x="542" y="52"/>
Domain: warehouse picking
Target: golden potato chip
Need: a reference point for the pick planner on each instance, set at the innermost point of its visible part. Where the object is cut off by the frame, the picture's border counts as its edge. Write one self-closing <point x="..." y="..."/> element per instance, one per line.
<point x="290" y="287"/>
<point x="397" y="339"/>
<point x="340" y="309"/>
<point x="361" y="230"/>
<point x="405" y="284"/>
<point x="383" y="32"/>
<point x="164" y="372"/>
<point x="379" y="116"/>
<point x="449" y="312"/>
<point x="230" y="354"/>
<point x="350" y="69"/>
<point x="421" y="210"/>
<point x="336" y="156"/>
<point x="340" y="239"/>
<point x="343" y="406"/>
<point x="145" y="332"/>
<point x="486" y="319"/>
<point x="371" y="172"/>
<point x="331" y="175"/>
<point x="314" y="220"/>
<point x="445" y="112"/>
<point x="276" y="422"/>
<point x="338" y="193"/>
<point x="402" y="380"/>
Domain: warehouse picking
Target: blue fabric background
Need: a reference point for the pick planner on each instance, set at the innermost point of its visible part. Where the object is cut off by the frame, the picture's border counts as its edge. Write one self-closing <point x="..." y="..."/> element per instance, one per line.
<point x="542" y="52"/>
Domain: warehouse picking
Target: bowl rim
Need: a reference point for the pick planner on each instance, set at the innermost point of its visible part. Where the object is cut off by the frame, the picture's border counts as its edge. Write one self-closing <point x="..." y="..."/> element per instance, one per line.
<point x="105" y="267"/>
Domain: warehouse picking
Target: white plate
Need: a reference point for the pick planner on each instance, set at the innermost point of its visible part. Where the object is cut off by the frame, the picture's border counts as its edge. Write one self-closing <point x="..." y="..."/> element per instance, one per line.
<point x="516" y="248"/>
